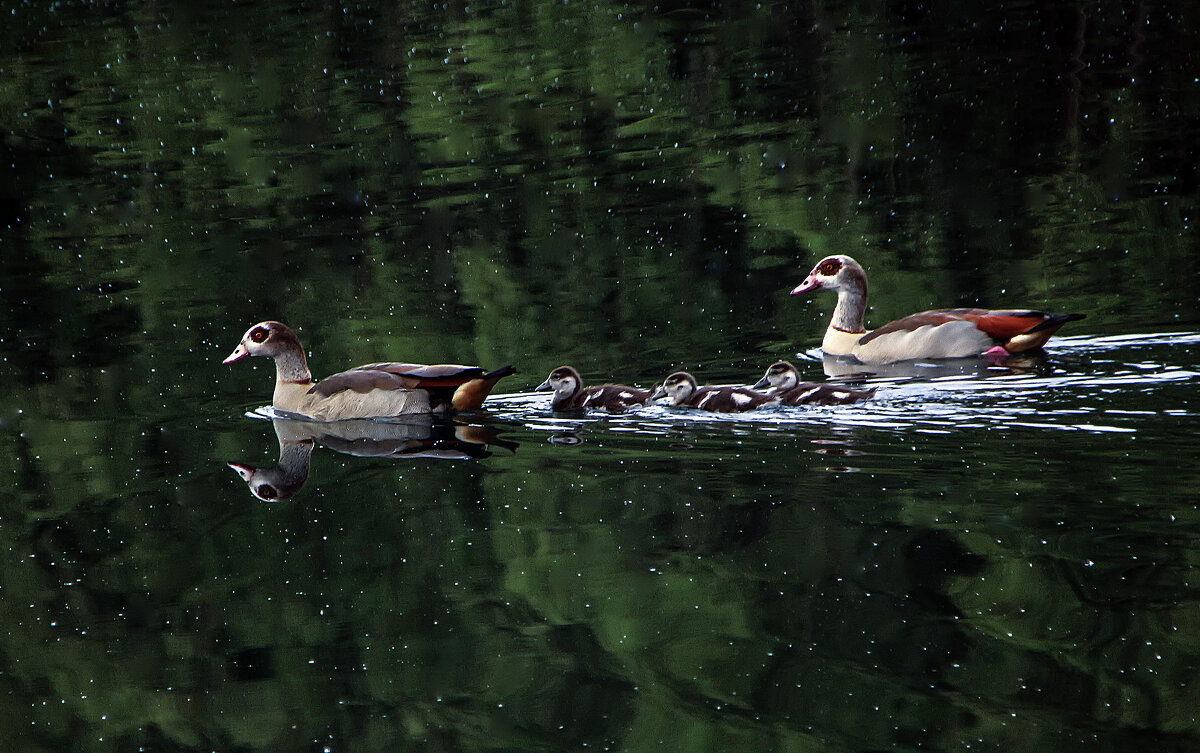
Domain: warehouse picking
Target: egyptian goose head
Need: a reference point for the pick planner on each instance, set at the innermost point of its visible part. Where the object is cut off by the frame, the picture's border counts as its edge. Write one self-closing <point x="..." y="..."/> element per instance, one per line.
<point x="275" y="340"/>
<point x="843" y="276"/>
<point x="837" y="272"/>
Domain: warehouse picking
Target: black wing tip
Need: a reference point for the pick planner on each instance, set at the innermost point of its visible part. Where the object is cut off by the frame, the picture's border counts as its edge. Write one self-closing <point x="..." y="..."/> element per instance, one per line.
<point x="1055" y="321"/>
<point x="503" y="371"/>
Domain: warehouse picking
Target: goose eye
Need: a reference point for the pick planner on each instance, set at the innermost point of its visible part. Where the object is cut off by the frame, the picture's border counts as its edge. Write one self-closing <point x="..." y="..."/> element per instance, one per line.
<point x="266" y="491"/>
<point x="829" y="267"/>
<point x="259" y="335"/>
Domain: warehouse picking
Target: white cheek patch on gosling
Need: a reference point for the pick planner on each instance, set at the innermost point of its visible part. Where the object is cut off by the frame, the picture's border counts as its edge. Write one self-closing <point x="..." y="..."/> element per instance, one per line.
<point x="741" y="399"/>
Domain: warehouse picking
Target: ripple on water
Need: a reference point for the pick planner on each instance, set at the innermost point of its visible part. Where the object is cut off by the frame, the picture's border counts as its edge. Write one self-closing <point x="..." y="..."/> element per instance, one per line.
<point x="1067" y="393"/>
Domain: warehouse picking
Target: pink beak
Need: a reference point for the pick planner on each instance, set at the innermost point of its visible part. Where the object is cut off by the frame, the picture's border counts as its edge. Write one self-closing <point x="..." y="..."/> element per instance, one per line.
<point x="245" y="471"/>
<point x="810" y="283"/>
<point x="238" y="354"/>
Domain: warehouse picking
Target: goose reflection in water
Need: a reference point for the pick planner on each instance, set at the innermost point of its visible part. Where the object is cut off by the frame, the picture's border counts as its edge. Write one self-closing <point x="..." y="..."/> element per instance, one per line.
<point x="841" y="367"/>
<point x="419" y="437"/>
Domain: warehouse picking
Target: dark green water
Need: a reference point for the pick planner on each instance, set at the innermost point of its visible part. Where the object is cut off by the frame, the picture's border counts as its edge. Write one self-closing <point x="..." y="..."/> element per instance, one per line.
<point x="981" y="558"/>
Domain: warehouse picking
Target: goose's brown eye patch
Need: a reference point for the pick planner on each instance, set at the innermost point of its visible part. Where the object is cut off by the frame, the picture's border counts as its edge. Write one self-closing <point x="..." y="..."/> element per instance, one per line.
<point x="259" y="335"/>
<point x="829" y="267"/>
<point x="266" y="491"/>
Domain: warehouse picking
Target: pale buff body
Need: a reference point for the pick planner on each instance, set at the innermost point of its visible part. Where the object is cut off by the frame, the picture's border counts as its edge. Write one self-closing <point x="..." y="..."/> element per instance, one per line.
<point x="949" y="340"/>
<point x="297" y="398"/>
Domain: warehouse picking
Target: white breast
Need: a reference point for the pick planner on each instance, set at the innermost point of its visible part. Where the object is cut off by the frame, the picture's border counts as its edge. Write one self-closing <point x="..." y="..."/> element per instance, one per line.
<point x="839" y="343"/>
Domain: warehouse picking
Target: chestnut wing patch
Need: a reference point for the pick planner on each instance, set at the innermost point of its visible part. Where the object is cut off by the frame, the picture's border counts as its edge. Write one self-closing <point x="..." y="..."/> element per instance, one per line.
<point x="1007" y="324"/>
<point x="1000" y="324"/>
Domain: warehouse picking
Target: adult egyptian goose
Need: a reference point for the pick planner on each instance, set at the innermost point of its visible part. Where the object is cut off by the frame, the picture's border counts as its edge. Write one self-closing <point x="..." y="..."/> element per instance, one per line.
<point x="943" y="333"/>
<point x="783" y="379"/>
<point x="683" y="391"/>
<point x="570" y="394"/>
<point x="376" y="390"/>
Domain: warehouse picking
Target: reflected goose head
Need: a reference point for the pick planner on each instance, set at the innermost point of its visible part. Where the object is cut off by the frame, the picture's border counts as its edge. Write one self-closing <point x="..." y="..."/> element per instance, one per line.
<point x="266" y="339"/>
<point x="780" y="375"/>
<point x="678" y="387"/>
<point x="837" y="272"/>
<point x="564" y="381"/>
<point x="274" y="483"/>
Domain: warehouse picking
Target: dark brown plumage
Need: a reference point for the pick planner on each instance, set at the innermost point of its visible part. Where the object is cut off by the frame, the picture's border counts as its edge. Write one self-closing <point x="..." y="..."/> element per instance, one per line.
<point x="570" y="394"/>
<point x="783" y="379"/>
<point x="683" y="391"/>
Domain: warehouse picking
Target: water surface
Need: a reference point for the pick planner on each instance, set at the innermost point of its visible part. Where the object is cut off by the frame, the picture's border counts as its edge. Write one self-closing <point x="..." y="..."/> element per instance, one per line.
<point x="983" y="557"/>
